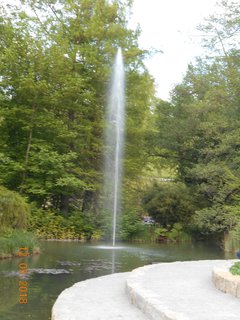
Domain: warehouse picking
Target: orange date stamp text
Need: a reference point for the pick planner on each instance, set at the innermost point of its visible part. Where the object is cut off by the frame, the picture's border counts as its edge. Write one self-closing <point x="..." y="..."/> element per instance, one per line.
<point x="23" y="270"/>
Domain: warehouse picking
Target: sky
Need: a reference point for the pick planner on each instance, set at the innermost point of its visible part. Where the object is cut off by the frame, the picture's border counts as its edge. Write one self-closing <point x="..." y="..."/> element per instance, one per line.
<point x="170" y="26"/>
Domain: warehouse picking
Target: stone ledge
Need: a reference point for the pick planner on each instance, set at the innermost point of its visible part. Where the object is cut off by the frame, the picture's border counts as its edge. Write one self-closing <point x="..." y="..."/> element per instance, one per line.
<point x="224" y="281"/>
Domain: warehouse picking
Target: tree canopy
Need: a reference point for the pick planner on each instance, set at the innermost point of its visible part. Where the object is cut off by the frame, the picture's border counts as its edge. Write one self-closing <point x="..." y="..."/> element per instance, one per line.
<point x="55" y="67"/>
<point x="198" y="130"/>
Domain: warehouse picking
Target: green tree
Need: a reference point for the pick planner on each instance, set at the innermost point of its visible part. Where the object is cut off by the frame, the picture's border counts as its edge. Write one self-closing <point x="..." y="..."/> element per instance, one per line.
<point x="55" y="68"/>
<point x="197" y="132"/>
<point x="169" y="203"/>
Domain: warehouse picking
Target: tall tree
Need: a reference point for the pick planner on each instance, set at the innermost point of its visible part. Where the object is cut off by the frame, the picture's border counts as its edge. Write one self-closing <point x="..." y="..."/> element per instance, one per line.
<point x="55" y="66"/>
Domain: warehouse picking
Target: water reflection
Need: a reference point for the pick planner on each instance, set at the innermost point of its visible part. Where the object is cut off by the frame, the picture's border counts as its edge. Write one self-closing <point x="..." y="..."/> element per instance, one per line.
<point x="113" y="249"/>
<point x="9" y="293"/>
<point x="108" y="247"/>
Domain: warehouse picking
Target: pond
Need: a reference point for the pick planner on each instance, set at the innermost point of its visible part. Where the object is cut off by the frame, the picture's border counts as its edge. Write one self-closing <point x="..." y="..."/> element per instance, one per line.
<point x="61" y="264"/>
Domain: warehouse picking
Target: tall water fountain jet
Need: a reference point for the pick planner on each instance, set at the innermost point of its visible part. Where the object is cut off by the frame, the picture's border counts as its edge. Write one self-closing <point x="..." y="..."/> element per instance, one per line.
<point x="114" y="138"/>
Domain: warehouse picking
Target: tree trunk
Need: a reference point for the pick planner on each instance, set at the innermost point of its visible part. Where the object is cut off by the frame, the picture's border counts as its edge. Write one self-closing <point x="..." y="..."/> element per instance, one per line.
<point x="87" y="200"/>
<point x="29" y="144"/>
<point x="64" y="205"/>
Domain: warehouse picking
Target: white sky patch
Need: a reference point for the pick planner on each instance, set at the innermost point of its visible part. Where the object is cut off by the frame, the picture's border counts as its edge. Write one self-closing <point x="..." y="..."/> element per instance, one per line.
<point x="170" y="26"/>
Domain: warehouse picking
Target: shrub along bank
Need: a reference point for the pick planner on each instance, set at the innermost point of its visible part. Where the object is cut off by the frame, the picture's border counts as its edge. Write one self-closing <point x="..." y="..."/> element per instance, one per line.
<point x="14" y="216"/>
<point x="51" y="225"/>
<point x="12" y="240"/>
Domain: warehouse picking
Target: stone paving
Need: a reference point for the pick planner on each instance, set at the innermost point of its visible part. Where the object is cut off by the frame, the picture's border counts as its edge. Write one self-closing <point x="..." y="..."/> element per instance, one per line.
<point x="103" y="298"/>
<point x="165" y="291"/>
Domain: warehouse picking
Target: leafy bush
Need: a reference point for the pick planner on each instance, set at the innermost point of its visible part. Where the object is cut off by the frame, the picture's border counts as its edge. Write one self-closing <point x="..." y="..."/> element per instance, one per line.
<point x="235" y="269"/>
<point x="50" y="225"/>
<point x="83" y="226"/>
<point x="169" y="203"/>
<point x="214" y="220"/>
<point x="14" y="211"/>
<point x="131" y="226"/>
<point x="174" y="234"/>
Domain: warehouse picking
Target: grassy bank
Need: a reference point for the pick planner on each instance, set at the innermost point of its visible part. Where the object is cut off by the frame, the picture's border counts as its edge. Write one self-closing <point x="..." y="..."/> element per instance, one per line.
<point x="12" y="240"/>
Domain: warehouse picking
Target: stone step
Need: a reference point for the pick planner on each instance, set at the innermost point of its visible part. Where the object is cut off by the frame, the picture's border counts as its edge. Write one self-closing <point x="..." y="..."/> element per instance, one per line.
<point x="181" y="291"/>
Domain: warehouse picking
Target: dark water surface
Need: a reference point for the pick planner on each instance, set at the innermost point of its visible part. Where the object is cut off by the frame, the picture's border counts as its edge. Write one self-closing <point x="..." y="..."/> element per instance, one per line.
<point x="61" y="264"/>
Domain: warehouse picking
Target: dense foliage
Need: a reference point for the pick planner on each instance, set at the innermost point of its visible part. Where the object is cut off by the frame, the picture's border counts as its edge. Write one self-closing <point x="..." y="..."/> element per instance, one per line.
<point x="55" y="67"/>
<point x="169" y="203"/>
<point x="198" y="135"/>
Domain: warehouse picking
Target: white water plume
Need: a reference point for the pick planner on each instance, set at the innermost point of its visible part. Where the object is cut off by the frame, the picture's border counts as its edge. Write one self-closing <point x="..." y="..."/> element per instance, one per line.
<point x="114" y="139"/>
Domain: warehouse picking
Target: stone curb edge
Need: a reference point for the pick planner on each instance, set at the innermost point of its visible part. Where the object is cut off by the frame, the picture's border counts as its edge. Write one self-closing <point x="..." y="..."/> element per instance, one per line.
<point x="146" y="301"/>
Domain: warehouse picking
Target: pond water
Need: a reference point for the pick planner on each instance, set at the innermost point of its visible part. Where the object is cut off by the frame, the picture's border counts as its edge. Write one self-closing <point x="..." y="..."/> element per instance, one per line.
<point x="61" y="264"/>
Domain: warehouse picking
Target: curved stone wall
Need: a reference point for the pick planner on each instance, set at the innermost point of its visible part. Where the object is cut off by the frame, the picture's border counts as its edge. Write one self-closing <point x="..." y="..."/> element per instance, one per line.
<point x="226" y="282"/>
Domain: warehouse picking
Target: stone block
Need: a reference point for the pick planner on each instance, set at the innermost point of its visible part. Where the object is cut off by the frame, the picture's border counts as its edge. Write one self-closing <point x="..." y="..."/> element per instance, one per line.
<point x="231" y="285"/>
<point x="238" y="290"/>
<point x="224" y="281"/>
<point x="219" y="280"/>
